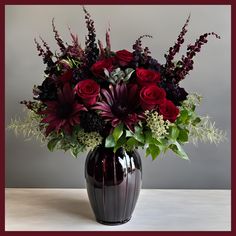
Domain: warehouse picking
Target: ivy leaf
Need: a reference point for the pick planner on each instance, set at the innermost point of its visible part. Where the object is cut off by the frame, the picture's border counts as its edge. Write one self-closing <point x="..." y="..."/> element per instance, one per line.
<point x="149" y="139"/>
<point x="76" y="150"/>
<point x="110" y="142"/>
<point x="163" y="145"/>
<point x="147" y="152"/>
<point x="183" y="116"/>
<point x="173" y="133"/>
<point x="52" y="144"/>
<point x="183" y="135"/>
<point x="117" y="132"/>
<point x="154" y="151"/>
<point x="121" y="141"/>
<point x="178" y="150"/>
<point x="131" y="143"/>
<point x="138" y="135"/>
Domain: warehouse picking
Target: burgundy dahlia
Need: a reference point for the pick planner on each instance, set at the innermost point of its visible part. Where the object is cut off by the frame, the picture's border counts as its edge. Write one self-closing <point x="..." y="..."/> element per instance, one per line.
<point x="64" y="113"/>
<point x="120" y="105"/>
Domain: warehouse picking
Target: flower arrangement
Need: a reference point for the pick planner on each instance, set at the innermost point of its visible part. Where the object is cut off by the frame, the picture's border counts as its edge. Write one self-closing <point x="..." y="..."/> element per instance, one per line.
<point x="95" y="96"/>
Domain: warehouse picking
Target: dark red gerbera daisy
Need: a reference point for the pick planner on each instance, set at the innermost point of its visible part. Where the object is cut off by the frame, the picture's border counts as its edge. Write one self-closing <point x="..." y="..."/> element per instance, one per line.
<point x="62" y="114"/>
<point x="119" y="105"/>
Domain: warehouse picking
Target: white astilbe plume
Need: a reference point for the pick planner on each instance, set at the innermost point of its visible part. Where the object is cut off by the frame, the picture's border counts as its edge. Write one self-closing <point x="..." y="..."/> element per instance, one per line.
<point x="192" y="100"/>
<point x="205" y="131"/>
<point x="28" y="127"/>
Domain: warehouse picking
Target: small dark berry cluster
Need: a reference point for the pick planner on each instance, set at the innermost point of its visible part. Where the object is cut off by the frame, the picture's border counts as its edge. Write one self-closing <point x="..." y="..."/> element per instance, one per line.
<point x="91" y="122"/>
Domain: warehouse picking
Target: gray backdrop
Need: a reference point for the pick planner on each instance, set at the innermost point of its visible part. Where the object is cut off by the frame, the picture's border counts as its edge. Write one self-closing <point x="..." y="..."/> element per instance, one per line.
<point x="28" y="164"/>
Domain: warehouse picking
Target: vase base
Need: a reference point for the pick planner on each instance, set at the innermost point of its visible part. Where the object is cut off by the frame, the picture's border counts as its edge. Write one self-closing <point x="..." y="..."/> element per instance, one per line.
<point x="113" y="223"/>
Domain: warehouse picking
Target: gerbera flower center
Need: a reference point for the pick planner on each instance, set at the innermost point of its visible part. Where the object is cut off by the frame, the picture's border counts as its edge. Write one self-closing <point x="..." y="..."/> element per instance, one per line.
<point x="120" y="110"/>
<point x="64" y="110"/>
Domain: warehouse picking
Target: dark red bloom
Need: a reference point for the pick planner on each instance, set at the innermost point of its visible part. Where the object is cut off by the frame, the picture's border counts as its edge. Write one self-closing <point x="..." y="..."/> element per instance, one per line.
<point x="124" y="57"/>
<point x="169" y="111"/>
<point x="151" y="96"/>
<point x="88" y="90"/>
<point x="99" y="66"/>
<point x="63" y="114"/>
<point x="119" y="105"/>
<point x="66" y="77"/>
<point x="147" y="77"/>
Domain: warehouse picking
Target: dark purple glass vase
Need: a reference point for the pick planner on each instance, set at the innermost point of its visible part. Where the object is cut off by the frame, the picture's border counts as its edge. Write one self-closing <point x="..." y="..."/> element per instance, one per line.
<point x="113" y="183"/>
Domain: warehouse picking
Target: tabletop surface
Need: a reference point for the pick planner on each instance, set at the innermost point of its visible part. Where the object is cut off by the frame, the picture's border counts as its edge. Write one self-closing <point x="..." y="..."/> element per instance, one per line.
<point x="31" y="209"/>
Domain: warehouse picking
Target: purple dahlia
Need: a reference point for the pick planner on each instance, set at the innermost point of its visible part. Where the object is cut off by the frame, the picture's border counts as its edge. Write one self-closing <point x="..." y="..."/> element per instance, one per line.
<point x="119" y="105"/>
<point x="63" y="113"/>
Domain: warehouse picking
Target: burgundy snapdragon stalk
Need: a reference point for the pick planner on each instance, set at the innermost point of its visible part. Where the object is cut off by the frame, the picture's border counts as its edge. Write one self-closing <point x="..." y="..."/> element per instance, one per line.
<point x="47" y="55"/>
<point x="91" y="50"/>
<point x="139" y="53"/>
<point x="175" y="49"/>
<point x="48" y="51"/>
<point x="58" y="38"/>
<point x="186" y="63"/>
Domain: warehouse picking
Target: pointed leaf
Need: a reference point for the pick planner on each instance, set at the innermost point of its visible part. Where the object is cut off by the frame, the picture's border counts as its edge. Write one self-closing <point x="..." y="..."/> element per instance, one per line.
<point x="183" y="135"/>
<point x="117" y="132"/>
<point x="173" y="132"/>
<point x="132" y="143"/>
<point x="110" y="142"/>
<point x="154" y="151"/>
<point x="52" y="144"/>
<point x="177" y="149"/>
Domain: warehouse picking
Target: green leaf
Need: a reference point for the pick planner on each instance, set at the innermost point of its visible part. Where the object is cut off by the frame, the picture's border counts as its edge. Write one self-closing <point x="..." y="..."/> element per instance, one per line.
<point x="128" y="73"/>
<point x="177" y="149"/>
<point x="138" y="135"/>
<point x="183" y="135"/>
<point x="147" y="152"/>
<point x="52" y="144"/>
<point x="117" y="132"/>
<point x="183" y="116"/>
<point x="76" y="150"/>
<point x="154" y="151"/>
<point x="129" y="133"/>
<point x="173" y="132"/>
<point x="121" y="141"/>
<point x="149" y="139"/>
<point x="110" y="142"/>
<point x="132" y="143"/>
<point x="196" y="121"/>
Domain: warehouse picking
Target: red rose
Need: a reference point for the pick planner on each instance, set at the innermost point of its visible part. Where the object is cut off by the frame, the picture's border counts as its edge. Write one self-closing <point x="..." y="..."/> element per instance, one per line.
<point x="98" y="67"/>
<point x="146" y="77"/>
<point x="151" y="96"/>
<point x="124" y="57"/>
<point x="169" y="111"/>
<point x="88" y="90"/>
